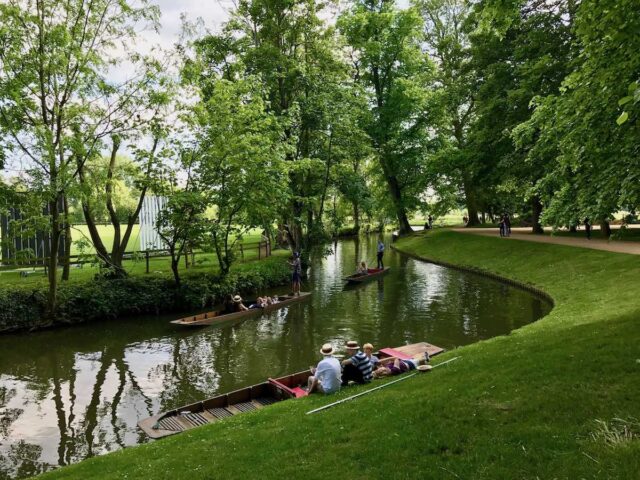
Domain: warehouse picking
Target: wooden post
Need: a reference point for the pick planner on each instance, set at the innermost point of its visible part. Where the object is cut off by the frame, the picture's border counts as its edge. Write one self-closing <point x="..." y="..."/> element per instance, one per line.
<point x="242" y="252"/>
<point x="146" y="255"/>
<point x="259" y="249"/>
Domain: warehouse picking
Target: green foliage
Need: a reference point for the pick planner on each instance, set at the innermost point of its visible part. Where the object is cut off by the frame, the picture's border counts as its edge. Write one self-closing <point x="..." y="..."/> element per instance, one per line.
<point x="99" y="299"/>
<point x="396" y="74"/>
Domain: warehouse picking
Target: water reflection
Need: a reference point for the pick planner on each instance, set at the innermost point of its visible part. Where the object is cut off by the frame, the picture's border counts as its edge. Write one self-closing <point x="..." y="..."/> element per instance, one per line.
<point x="69" y="394"/>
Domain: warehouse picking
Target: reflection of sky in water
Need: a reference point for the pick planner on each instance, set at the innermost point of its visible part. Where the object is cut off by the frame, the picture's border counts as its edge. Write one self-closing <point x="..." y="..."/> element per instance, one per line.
<point x="77" y="392"/>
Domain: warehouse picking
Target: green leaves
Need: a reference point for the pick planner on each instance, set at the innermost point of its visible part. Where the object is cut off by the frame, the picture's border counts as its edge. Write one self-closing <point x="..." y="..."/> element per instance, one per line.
<point x="624" y="116"/>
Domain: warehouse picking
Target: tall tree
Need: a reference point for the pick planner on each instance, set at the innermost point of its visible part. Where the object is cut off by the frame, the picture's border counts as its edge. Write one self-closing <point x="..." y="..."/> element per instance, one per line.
<point x="291" y="50"/>
<point x="57" y="105"/>
<point x="396" y="73"/>
<point x="446" y="35"/>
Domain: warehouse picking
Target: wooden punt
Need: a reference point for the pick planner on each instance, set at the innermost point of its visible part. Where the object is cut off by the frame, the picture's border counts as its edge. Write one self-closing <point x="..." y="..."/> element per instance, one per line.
<point x="210" y="318"/>
<point x="365" y="277"/>
<point x="253" y="398"/>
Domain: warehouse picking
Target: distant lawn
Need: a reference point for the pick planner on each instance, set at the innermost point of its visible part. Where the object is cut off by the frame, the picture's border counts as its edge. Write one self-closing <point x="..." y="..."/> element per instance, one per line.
<point x="134" y="266"/>
<point x="556" y="399"/>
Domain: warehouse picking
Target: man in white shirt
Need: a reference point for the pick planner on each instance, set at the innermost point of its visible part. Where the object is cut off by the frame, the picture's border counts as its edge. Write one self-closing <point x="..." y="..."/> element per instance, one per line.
<point x="327" y="376"/>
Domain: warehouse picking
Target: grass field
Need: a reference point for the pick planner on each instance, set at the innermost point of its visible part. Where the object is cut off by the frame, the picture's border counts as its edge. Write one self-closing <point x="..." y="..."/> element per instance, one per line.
<point x="555" y="399"/>
<point x="134" y="266"/>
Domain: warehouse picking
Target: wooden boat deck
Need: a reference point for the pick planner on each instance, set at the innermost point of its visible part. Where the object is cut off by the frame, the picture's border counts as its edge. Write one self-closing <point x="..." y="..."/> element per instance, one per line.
<point x="253" y="398"/>
<point x="209" y="318"/>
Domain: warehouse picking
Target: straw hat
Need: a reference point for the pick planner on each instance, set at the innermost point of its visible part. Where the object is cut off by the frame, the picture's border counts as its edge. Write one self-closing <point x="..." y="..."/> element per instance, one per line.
<point x="425" y="368"/>
<point x="237" y="299"/>
<point x="327" y="349"/>
<point x="352" y="345"/>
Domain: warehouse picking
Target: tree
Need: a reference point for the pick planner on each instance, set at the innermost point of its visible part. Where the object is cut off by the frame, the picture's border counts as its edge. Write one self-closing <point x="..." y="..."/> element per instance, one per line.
<point x="181" y="223"/>
<point x="292" y="52"/>
<point x="57" y="105"/>
<point x="595" y="172"/>
<point x="525" y="57"/>
<point x="238" y="162"/>
<point x="446" y="35"/>
<point x="396" y="74"/>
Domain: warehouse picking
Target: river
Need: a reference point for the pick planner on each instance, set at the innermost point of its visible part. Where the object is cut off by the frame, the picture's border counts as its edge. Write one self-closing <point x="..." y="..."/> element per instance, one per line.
<point x="75" y="392"/>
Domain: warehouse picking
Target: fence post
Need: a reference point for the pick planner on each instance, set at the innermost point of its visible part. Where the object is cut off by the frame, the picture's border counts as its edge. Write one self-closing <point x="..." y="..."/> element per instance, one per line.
<point x="146" y="255"/>
<point x="259" y="249"/>
<point x="242" y="252"/>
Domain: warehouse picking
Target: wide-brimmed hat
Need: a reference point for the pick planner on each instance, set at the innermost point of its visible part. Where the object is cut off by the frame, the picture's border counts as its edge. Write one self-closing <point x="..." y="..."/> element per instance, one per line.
<point x="237" y="299"/>
<point x="327" y="349"/>
<point x="352" y="345"/>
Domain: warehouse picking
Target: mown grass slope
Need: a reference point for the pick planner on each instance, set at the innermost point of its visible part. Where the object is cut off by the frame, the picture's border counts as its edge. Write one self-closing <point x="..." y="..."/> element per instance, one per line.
<point x="541" y="402"/>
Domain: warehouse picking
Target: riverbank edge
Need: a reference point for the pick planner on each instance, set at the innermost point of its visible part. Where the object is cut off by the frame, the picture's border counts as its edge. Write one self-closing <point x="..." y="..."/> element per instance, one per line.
<point x="523" y="405"/>
<point x="23" y="309"/>
<point x="482" y="273"/>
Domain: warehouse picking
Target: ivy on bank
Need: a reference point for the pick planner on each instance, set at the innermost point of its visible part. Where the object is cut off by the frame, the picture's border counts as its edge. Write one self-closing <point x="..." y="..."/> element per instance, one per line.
<point x="100" y="299"/>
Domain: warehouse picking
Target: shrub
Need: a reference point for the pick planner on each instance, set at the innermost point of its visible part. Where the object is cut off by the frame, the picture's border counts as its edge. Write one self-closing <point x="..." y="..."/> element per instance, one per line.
<point x="105" y="298"/>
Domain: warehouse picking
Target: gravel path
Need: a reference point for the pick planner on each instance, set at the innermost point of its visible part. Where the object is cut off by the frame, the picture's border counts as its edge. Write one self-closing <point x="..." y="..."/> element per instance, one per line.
<point x="632" y="248"/>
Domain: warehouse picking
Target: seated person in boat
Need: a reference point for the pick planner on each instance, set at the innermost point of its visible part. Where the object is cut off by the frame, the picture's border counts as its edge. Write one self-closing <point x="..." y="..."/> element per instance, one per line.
<point x="239" y="306"/>
<point x="395" y="366"/>
<point x="357" y="368"/>
<point x="325" y="377"/>
<point x="261" y="302"/>
<point x="362" y="268"/>
<point x="368" y="351"/>
<point x="228" y="306"/>
<point x="273" y="300"/>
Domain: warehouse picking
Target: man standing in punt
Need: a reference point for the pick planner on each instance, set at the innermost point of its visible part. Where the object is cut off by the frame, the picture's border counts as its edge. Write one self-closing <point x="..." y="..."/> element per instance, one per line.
<point x="380" y="253"/>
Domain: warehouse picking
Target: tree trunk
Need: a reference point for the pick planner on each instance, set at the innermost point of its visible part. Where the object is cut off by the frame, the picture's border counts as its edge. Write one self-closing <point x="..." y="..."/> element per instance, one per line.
<point x="356" y="217"/>
<point x="52" y="298"/>
<point x="67" y="240"/>
<point x="605" y="228"/>
<point x="174" y="266"/>
<point x="470" y="201"/>
<point x="536" y="207"/>
<point x="396" y="195"/>
<point x="573" y="228"/>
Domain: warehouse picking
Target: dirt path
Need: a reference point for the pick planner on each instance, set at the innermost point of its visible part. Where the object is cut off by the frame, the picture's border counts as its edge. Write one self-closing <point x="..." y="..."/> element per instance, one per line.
<point x="632" y="248"/>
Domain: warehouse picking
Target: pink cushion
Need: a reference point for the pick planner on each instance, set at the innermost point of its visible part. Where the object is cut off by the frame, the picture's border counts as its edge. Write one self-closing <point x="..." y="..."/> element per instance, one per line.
<point x="395" y="353"/>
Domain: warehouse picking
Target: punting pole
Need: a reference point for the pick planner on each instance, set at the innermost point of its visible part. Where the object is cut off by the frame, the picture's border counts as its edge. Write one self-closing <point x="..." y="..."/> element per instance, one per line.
<point x="373" y="389"/>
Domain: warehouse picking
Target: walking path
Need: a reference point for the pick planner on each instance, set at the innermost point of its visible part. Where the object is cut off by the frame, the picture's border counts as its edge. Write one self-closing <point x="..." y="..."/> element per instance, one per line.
<point x="632" y="248"/>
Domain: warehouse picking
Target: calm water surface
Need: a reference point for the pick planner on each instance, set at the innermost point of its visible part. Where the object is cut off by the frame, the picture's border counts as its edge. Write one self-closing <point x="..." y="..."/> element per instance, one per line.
<point x="72" y="393"/>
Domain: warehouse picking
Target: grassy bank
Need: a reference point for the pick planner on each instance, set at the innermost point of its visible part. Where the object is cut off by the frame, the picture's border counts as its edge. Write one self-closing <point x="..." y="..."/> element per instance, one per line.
<point x="555" y="399"/>
<point x="24" y="307"/>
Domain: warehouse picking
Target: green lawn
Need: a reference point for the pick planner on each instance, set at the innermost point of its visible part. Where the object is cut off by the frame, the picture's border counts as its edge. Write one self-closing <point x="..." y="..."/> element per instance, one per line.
<point x="134" y="266"/>
<point x="555" y="399"/>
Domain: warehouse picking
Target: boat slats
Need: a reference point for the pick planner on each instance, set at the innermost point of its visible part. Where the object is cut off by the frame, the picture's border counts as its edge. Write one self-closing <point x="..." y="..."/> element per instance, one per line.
<point x="264" y="401"/>
<point x="170" y="423"/>
<point x="195" y="418"/>
<point x="220" y="412"/>
<point x="245" y="406"/>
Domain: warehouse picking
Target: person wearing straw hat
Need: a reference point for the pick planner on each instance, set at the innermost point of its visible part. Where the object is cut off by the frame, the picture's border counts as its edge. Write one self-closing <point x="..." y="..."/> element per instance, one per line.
<point x="325" y="377"/>
<point x="240" y="307"/>
<point x="357" y="367"/>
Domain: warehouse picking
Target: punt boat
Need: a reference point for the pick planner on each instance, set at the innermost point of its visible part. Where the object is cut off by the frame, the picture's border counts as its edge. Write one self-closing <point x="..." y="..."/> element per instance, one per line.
<point x="253" y="398"/>
<point x="210" y="318"/>
<point x="365" y="277"/>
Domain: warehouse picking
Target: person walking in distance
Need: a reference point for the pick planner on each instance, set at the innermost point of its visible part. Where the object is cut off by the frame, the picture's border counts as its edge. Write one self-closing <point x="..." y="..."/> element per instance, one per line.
<point x="587" y="228"/>
<point x="380" y="253"/>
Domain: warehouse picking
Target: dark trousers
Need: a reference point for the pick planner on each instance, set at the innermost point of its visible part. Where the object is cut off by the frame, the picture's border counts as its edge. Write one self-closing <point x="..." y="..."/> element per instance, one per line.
<point x="380" y="264"/>
<point x="351" y="372"/>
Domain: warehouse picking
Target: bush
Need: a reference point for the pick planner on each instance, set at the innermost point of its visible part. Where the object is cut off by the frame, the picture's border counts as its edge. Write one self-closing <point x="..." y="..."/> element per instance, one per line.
<point x="111" y="298"/>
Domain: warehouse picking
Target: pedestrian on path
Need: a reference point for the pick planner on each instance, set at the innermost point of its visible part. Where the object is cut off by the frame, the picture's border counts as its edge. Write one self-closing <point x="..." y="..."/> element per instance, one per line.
<point x="587" y="227"/>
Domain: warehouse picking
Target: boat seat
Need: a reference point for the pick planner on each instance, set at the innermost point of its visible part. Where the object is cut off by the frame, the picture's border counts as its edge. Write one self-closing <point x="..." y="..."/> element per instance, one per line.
<point x="392" y="352"/>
